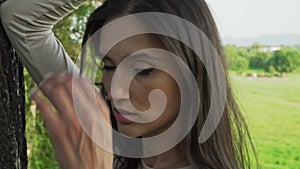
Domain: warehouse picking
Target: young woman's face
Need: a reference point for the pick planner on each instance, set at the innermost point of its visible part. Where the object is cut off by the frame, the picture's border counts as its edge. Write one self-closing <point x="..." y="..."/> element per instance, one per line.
<point x="140" y="87"/>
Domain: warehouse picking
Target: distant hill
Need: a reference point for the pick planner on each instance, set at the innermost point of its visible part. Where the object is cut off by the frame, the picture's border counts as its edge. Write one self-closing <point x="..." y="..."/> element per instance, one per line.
<point x="269" y="40"/>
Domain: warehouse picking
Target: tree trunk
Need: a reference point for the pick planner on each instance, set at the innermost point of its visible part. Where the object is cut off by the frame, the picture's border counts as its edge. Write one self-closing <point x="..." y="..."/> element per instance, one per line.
<point x="12" y="108"/>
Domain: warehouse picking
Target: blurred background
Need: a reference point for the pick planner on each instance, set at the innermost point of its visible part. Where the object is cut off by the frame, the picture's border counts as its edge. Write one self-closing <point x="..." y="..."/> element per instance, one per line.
<point x="261" y="40"/>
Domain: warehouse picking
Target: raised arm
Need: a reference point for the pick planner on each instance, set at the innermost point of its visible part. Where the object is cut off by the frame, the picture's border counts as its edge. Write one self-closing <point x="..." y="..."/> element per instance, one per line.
<point x="28" y="24"/>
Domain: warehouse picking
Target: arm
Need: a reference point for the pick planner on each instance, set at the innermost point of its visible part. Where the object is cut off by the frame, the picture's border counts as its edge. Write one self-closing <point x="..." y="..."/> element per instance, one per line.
<point x="28" y="24"/>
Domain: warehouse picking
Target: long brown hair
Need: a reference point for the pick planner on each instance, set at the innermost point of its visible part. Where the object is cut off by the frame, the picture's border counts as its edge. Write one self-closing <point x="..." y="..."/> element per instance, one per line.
<point x="230" y="145"/>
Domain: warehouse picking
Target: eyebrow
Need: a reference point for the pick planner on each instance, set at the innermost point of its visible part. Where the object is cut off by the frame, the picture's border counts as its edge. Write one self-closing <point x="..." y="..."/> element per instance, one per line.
<point x="144" y="54"/>
<point x="108" y="58"/>
<point x="103" y="57"/>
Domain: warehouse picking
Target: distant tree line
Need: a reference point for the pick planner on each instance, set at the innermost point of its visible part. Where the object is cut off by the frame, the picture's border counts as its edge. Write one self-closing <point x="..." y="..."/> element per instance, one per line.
<point x="280" y="60"/>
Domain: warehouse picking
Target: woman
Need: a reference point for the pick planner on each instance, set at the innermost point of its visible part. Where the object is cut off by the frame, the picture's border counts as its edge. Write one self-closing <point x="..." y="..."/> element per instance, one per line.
<point x="28" y="27"/>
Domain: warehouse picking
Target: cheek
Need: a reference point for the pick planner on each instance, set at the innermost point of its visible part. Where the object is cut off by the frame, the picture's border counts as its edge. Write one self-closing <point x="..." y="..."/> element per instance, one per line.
<point x="106" y="79"/>
<point x="139" y="95"/>
<point x="140" y="91"/>
<point x="173" y="100"/>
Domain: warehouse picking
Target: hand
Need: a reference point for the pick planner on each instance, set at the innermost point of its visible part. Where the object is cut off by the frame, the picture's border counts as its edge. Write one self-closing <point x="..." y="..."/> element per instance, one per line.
<point x="71" y="97"/>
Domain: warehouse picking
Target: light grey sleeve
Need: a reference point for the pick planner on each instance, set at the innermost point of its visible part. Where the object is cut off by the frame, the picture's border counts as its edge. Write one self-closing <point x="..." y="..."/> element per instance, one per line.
<point x="28" y="24"/>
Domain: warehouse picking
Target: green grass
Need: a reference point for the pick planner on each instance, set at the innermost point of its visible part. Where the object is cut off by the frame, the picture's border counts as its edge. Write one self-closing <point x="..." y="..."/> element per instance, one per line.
<point x="272" y="109"/>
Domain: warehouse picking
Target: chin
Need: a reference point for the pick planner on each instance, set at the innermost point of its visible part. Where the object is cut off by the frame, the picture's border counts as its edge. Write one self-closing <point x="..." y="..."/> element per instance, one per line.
<point x="129" y="131"/>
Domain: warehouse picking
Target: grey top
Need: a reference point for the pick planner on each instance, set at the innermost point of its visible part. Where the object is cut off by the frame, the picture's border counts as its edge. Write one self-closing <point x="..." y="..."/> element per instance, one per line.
<point x="28" y="24"/>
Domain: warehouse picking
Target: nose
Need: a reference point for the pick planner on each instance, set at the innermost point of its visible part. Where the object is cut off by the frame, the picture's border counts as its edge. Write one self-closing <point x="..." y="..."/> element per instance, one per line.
<point x="118" y="92"/>
<point x="119" y="87"/>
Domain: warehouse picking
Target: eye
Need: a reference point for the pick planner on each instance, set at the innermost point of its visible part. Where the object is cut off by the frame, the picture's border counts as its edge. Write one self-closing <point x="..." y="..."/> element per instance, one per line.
<point x="145" y="71"/>
<point x="108" y="68"/>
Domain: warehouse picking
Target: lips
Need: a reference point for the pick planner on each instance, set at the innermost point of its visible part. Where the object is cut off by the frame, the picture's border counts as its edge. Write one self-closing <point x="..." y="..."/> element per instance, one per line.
<point x="123" y="116"/>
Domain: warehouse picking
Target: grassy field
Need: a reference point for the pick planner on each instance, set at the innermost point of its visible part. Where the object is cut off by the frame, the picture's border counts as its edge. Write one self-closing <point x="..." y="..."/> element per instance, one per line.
<point x="272" y="109"/>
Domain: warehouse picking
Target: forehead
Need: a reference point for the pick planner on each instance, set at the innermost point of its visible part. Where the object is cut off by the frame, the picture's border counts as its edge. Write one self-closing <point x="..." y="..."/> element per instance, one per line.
<point x="129" y="45"/>
<point x="133" y="44"/>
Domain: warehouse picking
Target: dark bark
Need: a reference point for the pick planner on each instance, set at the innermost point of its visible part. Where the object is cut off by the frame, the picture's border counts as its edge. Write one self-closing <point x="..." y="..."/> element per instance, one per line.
<point x="12" y="108"/>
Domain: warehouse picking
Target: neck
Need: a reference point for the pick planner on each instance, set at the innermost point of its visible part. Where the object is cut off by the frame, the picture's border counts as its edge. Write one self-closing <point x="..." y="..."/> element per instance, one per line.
<point x="174" y="158"/>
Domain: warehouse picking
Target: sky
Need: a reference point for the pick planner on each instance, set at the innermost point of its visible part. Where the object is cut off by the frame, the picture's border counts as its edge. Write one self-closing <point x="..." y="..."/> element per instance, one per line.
<point x="252" y="18"/>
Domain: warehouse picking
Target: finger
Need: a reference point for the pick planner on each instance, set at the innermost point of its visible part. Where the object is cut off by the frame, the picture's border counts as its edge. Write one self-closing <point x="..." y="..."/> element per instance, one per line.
<point x="66" y="154"/>
<point x="52" y="121"/>
<point x="96" y="125"/>
<point x="104" y="109"/>
<point x="64" y="150"/>
<point x="56" y="90"/>
<point x="92" y="91"/>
